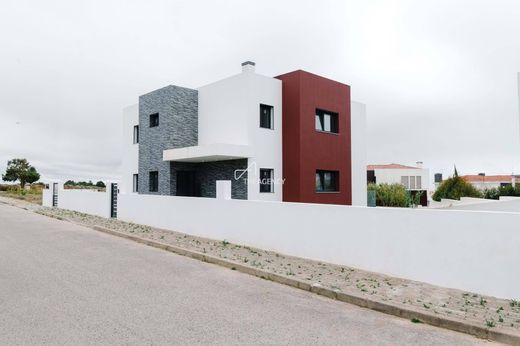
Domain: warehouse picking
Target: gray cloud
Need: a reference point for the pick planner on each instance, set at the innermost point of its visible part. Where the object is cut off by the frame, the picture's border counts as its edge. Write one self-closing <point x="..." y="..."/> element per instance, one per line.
<point x="438" y="77"/>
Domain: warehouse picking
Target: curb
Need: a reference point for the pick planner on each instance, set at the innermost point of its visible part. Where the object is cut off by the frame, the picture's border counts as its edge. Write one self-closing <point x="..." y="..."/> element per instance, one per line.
<point x="437" y="321"/>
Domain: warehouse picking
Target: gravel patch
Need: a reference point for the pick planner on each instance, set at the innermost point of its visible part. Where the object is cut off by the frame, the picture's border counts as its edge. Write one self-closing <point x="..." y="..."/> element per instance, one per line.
<point x="493" y="313"/>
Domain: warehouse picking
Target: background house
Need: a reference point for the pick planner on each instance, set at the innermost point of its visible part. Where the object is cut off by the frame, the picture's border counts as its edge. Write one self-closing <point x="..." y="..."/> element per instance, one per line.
<point x="414" y="178"/>
<point x="482" y="181"/>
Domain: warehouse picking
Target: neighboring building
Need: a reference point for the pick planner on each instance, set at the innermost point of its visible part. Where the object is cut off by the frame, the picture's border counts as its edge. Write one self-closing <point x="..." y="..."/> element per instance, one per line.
<point x="286" y="138"/>
<point x="482" y="181"/>
<point x="415" y="179"/>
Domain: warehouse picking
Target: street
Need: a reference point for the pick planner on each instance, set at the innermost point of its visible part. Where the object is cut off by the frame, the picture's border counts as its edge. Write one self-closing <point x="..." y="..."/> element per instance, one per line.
<point x="65" y="284"/>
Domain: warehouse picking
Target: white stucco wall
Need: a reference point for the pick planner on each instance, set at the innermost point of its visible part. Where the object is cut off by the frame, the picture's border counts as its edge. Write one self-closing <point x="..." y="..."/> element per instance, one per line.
<point x="229" y="112"/>
<point x="86" y="201"/>
<point x="130" y="154"/>
<point x="470" y="250"/>
<point x="391" y="176"/>
<point x="359" y="153"/>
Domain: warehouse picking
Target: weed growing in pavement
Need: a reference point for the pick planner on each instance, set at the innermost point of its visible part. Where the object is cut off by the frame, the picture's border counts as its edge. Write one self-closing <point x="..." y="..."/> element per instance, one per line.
<point x="490" y="323"/>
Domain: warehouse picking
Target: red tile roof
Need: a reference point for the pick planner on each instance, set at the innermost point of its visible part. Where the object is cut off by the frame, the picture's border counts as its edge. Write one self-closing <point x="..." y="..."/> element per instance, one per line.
<point x="488" y="178"/>
<point x="390" y="166"/>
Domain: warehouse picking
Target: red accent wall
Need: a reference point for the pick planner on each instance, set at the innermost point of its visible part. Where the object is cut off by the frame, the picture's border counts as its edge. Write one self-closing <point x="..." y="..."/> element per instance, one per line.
<point x="306" y="150"/>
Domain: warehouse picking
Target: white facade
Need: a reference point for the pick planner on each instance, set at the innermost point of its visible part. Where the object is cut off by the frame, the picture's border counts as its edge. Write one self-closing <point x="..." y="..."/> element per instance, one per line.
<point x="130" y="155"/>
<point x="405" y="176"/>
<point x="229" y="114"/>
<point x="359" y="153"/>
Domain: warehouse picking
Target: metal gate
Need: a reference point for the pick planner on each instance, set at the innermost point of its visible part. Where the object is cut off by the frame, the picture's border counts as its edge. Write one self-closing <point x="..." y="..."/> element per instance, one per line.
<point x="113" y="200"/>
<point x="55" y="194"/>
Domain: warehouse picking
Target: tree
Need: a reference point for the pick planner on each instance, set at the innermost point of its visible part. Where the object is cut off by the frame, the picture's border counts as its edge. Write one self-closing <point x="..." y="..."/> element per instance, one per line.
<point x="21" y="170"/>
<point x="100" y="184"/>
<point x="455" y="188"/>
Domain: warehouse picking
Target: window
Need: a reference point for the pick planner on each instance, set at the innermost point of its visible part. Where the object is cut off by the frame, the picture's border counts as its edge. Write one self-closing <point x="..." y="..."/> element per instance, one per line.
<point x="405" y="181"/>
<point x="136" y="134"/>
<point x="418" y="182"/>
<point x="266" y="180"/>
<point x="326" y="121"/>
<point x="154" y="120"/>
<point x="153" y="183"/>
<point x="327" y="181"/>
<point x="135" y="185"/>
<point x="266" y="116"/>
<point x="411" y="182"/>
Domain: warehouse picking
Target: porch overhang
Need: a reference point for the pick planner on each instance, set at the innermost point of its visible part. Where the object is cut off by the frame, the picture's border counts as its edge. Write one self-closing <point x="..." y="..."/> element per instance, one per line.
<point x="208" y="153"/>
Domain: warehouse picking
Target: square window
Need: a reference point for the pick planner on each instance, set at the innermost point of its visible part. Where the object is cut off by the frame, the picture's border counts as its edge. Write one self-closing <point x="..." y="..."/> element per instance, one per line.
<point x="136" y="134"/>
<point x="153" y="183"/>
<point x="266" y="180"/>
<point x="266" y="116"/>
<point x="326" y="121"/>
<point x="327" y="181"/>
<point x="154" y="120"/>
<point x="135" y="187"/>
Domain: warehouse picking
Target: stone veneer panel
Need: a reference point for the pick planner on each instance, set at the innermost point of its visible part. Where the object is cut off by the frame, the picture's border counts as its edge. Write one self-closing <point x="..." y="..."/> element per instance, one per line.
<point x="178" y="127"/>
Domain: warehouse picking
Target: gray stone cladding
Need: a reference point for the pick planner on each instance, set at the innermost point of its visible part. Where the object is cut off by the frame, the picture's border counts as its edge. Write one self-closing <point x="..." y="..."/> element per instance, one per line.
<point x="207" y="173"/>
<point x="178" y="127"/>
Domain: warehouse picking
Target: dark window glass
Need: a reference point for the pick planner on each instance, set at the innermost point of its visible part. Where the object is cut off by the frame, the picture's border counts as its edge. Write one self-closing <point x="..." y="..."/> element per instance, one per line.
<point x="154" y="181"/>
<point x="136" y="134"/>
<point x="266" y="116"/>
<point x="327" y="181"/>
<point x="326" y="121"/>
<point x="266" y="180"/>
<point x="136" y="183"/>
<point x="154" y="120"/>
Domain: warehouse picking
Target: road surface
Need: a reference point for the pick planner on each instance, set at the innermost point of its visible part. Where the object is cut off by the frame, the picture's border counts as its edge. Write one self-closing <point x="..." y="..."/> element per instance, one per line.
<point x="65" y="284"/>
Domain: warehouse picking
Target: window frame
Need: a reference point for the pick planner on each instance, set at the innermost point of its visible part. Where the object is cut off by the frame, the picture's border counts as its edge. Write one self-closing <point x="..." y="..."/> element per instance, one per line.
<point x="136" y="134"/>
<point x="153" y="181"/>
<point x="270" y="184"/>
<point x="320" y="177"/>
<point x="135" y="182"/>
<point x="320" y="118"/>
<point x="154" y="119"/>
<point x="271" y="116"/>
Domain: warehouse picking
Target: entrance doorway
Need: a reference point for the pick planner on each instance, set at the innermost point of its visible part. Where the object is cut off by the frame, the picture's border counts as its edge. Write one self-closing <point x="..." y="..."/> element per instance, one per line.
<point x="187" y="184"/>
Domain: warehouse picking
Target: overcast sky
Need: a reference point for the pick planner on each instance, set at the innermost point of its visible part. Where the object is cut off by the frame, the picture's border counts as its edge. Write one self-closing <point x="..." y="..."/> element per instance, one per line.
<point x="439" y="78"/>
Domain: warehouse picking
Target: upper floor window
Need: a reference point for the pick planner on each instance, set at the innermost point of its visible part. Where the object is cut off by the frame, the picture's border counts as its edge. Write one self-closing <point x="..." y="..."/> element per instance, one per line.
<point x="266" y="116"/>
<point x="412" y="182"/>
<point x="326" y="121"/>
<point x="266" y="180"/>
<point x="136" y="134"/>
<point x="327" y="181"/>
<point x="153" y="182"/>
<point x="154" y="120"/>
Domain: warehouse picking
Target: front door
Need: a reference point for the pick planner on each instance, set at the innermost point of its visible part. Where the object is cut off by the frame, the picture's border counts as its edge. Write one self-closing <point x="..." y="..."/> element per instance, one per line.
<point x="187" y="184"/>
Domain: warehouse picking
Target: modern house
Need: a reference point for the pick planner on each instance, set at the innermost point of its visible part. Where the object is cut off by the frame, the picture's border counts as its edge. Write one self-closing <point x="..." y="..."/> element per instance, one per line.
<point x="249" y="136"/>
<point x="482" y="181"/>
<point x="414" y="178"/>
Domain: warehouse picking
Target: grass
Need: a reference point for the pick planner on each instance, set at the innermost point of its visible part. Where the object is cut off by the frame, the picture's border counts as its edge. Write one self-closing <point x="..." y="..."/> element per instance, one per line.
<point x="34" y="195"/>
<point x="416" y="320"/>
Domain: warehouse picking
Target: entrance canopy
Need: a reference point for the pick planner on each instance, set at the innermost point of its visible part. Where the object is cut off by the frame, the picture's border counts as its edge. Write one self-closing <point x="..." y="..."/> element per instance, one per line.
<point x="208" y="153"/>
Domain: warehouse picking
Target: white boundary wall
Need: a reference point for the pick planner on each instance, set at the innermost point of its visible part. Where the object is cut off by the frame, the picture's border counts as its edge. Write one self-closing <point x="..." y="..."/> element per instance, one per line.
<point x="474" y="251"/>
<point x="85" y="201"/>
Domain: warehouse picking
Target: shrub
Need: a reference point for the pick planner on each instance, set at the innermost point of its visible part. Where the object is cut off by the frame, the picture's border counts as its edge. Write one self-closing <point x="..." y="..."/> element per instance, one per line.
<point x="455" y="188"/>
<point x="391" y="195"/>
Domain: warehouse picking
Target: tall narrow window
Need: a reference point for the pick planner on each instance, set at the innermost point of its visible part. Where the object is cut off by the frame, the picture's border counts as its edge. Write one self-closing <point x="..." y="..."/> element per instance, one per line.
<point x="154" y="120"/>
<point x="327" y="181"/>
<point x="418" y="184"/>
<point x="136" y="134"/>
<point x="405" y="181"/>
<point x="266" y="116"/>
<point x="135" y="185"/>
<point x="326" y="121"/>
<point x="266" y="180"/>
<point x="153" y="184"/>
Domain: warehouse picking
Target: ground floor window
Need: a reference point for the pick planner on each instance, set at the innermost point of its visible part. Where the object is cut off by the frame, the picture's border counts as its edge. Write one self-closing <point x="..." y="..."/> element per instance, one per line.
<point x="135" y="185"/>
<point x="266" y="180"/>
<point x="327" y="181"/>
<point x="153" y="183"/>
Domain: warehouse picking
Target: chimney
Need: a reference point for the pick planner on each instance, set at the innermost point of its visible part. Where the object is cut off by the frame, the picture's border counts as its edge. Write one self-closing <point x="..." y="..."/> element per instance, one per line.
<point x="248" y="66"/>
<point x="419" y="164"/>
<point x="482" y="174"/>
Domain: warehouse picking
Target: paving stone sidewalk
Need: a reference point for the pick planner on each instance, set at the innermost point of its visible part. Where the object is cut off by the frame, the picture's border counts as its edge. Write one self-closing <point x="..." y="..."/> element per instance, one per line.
<point x="493" y="313"/>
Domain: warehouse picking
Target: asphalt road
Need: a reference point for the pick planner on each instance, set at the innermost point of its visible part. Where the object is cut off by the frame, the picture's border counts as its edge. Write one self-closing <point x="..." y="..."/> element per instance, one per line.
<point x="65" y="284"/>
